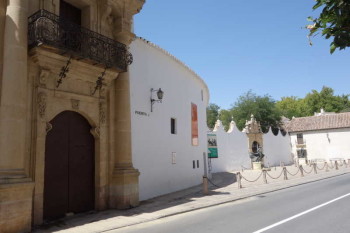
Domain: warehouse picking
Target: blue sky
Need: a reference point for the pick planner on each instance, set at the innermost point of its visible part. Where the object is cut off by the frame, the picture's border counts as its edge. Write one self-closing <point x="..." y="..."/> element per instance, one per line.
<point x="240" y="45"/>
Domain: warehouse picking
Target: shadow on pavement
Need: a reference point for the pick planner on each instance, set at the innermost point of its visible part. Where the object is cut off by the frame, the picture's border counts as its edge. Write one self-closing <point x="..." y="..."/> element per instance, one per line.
<point x="218" y="180"/>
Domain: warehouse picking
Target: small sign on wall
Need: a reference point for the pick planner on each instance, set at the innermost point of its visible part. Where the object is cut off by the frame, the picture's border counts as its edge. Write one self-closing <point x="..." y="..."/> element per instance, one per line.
<point x="140" y="113"/>
<point x="212" y="146"/>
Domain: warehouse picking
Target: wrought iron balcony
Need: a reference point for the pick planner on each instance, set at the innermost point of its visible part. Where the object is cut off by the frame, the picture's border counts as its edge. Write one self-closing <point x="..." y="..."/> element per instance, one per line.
<point x="48" y="29"/>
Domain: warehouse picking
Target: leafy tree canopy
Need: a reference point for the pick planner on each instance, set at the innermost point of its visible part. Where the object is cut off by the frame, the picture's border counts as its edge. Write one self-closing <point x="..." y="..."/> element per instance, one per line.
<point x="262" y="107"/>
<point x="325" y="99"/>
<point x="269" y="113"/>
<point x="226" y="118"/>
<point x="333" y="22"/>
<point x="212" y="115"/>
<point x="291" y="107"/>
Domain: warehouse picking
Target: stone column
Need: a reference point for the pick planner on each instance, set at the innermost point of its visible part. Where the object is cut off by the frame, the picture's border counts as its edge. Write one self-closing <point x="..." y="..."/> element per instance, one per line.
<point x="2" y="28"/>
<point x="124" y="192"/>
<point x="124" y="183"/>
<point x="16" y="190"/>
<point x="13" y="105"/>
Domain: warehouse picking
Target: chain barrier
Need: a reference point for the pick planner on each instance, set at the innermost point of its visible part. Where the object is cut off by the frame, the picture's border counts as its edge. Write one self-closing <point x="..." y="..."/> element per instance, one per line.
<point x="251" y="181"/>
<point x="212" y="183"/>
<point x="306" y="171"/>
<point x="314" y="167"/>
<point x="275" y="178"/>
<point x="324" y="165"/>
<point x="293" y="174"/>
<point x="331" y="166"/>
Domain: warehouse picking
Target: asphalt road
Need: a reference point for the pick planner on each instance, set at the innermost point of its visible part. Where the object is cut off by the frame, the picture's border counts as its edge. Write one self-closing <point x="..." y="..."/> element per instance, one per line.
<point x="321" y="206"/>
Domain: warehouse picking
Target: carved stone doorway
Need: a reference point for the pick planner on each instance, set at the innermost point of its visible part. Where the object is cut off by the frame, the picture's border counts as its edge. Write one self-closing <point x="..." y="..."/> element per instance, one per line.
<point x="69" y="183"/>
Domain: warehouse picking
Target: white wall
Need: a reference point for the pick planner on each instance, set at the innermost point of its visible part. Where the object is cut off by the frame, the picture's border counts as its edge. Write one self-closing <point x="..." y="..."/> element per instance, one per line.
<point x="152" y="142"/>
<point x="232" y="149"/>
<point x="277" y="149"/>
<point x="325" y="144"/>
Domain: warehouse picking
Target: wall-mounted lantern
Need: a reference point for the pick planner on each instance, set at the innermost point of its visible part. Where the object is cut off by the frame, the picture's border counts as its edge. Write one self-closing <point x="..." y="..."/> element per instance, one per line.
<point x="160" y="94"/>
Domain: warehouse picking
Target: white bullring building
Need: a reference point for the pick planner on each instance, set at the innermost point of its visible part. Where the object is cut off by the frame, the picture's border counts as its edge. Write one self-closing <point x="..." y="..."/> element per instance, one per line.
<point x="168" y="142"/>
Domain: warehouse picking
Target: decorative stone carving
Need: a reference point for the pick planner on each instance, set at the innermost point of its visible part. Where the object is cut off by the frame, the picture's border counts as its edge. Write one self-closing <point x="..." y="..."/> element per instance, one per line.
<point x="102" y="112"/>
<point x="75" y="104"/>
<point x="48" y="127"/>
<point x="95" y="132"/>
<point x="103" y="92"/>
<point x="252" y="126"/>
<point x="43" y="77"/>
<point x="42" y="104"/>
<point x="107" y="22"/>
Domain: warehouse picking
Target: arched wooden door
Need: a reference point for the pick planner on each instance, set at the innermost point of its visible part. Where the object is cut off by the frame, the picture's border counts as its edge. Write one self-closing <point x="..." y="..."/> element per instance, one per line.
<point x="69" y="166"/>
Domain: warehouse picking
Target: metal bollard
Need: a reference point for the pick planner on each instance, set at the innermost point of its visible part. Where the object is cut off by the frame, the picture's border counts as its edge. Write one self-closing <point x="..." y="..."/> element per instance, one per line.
<point x="239" y="180"/>
<point x="326" y="164"/>
<point x="285" y="173"/>
<point x="264" y="176"/>
<point x="315" y="168"/>
<point x="336" y="165"/>
<point x="205" y="185"/>
<point x="301" y="170"/>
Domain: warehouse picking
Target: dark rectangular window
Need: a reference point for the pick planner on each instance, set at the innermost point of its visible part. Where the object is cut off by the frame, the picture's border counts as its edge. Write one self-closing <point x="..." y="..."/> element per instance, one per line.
<point x="300" y="139"/>
<point x="194" y="164"/>
<point x="197" y="163"/>
<point x="70" y="13"/>
<point x="173" y="126"/>
<point x="302" y="153"/>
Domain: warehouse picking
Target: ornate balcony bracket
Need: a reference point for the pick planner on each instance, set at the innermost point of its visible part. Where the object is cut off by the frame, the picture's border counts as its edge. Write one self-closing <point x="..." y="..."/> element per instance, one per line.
<point x="99" y="82"/>
<point x="50" y="31"/>
<point x="63" y="73"/>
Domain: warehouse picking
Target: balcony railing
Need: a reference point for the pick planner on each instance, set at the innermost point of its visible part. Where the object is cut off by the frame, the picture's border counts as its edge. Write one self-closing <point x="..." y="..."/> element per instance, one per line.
<point x="45" y="28"/>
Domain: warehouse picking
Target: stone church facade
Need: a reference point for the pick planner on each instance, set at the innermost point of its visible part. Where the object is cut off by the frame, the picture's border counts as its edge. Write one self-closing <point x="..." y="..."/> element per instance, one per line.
<point x="64" y="109"/>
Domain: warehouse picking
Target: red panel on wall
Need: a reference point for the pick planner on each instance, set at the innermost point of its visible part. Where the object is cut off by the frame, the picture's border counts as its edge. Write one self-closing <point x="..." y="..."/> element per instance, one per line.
<point x="194" y="123"/>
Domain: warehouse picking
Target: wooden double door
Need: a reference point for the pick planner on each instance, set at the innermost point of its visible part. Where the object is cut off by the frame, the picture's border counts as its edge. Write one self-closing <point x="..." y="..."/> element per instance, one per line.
<point x="69" y="182"/>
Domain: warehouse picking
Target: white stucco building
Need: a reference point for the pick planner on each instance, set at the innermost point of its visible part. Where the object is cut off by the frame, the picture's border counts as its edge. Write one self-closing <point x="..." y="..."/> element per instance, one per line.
<point x="322" y="136"/>
<point x="233" y="149"/>
<point x="167" y="143"/>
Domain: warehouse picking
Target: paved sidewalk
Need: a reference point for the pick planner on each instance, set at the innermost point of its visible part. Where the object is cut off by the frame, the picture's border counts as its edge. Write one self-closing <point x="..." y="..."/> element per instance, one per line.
<point x="191" y="199"/>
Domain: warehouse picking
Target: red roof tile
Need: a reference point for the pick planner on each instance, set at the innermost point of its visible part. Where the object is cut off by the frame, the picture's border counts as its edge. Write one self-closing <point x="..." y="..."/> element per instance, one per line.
<point x="326" y="121"/>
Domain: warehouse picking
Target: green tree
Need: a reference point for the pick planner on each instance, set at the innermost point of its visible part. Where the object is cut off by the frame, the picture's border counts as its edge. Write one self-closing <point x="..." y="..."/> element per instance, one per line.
<point x="225" y="117"/>
<point x="262" y="107"/>
<point x="212" y="115"/>
<point x="327" y="100"/>
<point x="291" y="107"/>
<point x="333" y="22"/>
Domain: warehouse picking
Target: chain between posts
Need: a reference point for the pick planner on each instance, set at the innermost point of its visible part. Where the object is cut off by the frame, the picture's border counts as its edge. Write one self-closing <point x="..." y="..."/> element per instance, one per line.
<point x="324" y="165"/>
<point x="252" y="181"/>
<point x="314" y="167"/>
<point x="275" y="178"/>
<point x="291" y="173"/>
<point x="307" y="171"/>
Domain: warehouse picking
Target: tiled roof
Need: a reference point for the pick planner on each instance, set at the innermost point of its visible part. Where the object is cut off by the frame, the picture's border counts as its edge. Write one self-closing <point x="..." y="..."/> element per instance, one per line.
<point x="320" y="122"/>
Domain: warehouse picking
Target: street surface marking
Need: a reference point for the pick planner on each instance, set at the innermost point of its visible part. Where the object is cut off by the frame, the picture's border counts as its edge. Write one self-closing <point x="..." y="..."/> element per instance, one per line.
<point x="300" y="214"/>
